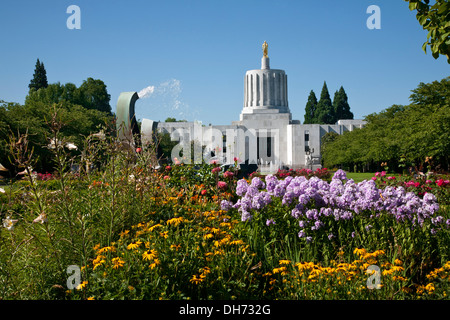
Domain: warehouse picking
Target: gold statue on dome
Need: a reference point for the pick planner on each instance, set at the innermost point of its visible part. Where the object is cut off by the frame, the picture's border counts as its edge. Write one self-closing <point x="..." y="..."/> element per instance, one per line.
<point x="265" y="46"/>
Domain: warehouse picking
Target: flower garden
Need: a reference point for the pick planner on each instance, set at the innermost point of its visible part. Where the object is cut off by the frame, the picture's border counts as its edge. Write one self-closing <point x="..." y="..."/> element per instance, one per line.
<point x="200" y="232"/>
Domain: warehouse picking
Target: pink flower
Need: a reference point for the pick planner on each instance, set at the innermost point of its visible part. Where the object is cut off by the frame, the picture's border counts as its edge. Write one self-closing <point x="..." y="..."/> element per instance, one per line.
<point x="138" y="150"/>
<point x="166" y="178"/>
<point x="222" y="184"/>
<point x="228" y="174"/>
<point x="374" y="178"/>
<point x="168" y="168"/>
<point x="377" y="174"/>
<point x="391" y="178"/>
<point x="383" y="173"/>
<point x="215" y="170"/>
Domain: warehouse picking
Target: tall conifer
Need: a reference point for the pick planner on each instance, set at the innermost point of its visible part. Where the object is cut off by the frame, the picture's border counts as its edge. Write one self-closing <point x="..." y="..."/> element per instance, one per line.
<point x="39" y="77"/>
<point x="325" y="112"/>
<point x="310" y="109"/>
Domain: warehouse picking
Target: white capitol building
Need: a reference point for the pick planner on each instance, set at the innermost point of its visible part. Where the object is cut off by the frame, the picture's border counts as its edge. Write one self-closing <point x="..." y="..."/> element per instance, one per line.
<point x="265" y="134"/>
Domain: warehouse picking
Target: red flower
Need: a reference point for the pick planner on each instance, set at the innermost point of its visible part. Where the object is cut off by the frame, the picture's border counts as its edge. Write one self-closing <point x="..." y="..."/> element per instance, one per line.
<point x="138" y="150"/>
<point x="203" y="192"/>
<point x="222" y="184"/>
<point x="168" y="168"/>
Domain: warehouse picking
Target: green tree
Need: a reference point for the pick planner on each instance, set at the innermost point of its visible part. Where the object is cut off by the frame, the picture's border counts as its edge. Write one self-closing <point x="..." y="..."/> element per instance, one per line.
<point x="170" y="119"/>
<point x="92" y="94"/>
<point x="341" y="106"/>
<point x="436" y="20"/>
<point x="413" y="132"/>
<point x="310" y="109"/>
<point x="325" y="111"/>
<point x="39" y="77"/>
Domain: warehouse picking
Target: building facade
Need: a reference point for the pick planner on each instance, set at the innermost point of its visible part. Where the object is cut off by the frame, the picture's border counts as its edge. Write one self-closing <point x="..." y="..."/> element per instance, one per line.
<point x="265" y="133"/>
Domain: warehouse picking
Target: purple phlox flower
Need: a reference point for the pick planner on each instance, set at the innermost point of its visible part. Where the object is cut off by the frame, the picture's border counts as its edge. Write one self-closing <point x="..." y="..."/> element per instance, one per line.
<point x="311" y="214"/>
<point x="271" y="182"/>
<point x="330" y="236"/>
<point x="269" y="222"/>
<point x="241" y="187"/>
<point x="226" y="205"/>
<point x="258" y="183"/>
<point x="340" y="174"/>
<point x="437" y="220"/>
<point x="317" y="225"/>
<point x="245" y="215"/>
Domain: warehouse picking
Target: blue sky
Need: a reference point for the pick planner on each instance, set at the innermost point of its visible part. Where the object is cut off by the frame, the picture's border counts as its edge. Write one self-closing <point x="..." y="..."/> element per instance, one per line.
<point x="195" y="52"/>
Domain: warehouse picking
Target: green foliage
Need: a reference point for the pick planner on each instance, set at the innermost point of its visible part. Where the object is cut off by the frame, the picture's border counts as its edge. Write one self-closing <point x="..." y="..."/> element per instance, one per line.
<point x="324" y="111"/>
<point x="436" y="20"/>
<point x="92" y="95"/>
<point x="310" y="109"/>
<point x="139" y="233"/>
<point x="39" y="77"/>
<point x="171" y="119"/>
<point x="341" y="106"/>
<point x="411" y="133"/>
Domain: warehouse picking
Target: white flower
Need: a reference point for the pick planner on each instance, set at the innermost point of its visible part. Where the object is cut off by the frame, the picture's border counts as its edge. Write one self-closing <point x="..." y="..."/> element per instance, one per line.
<point x="41" y="218"/>
<point x="71" y="146"/>
<point x="25" y="171"/>
<point x="54" y="143"/>
<point x="2" y="190"/>
<point x="100" y="135"/>
<point x="8" y="223"/>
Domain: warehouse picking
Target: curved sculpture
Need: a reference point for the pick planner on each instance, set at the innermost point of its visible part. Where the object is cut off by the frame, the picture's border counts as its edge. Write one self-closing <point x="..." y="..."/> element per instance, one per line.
<point x="126" y="124"/>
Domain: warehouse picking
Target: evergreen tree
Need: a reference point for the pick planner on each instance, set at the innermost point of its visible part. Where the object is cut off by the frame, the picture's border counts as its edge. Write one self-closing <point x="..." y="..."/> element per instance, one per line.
<point x="325" y="112"/>
<point x="39" y="77"/>
<point x="310" y="109"/>
<point x="341" y="106"/>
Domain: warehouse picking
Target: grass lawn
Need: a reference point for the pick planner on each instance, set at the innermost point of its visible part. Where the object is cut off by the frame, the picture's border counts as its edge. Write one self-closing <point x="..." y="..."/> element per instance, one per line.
<point x="360" y="176"/>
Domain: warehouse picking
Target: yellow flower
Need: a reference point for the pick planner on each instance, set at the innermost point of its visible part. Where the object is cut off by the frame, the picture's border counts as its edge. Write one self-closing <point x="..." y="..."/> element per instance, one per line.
<point x="397" y="268"/>
<point x="237" y="242"/>
<point x="91" y="298"/>
<point x="124" y="233"/>
<point x="117" y="263"/>
<point x="430" y="287"/>
<point x="82" y="285"/>
<point x="106" y="249"/>
<point x="208" y="236"/>
<point x="154" y="264"/>
<point x="164" y="234"/>
<point x="149" y="255"/>
<point x="278" y="270"/>
<point x="196" y="280"/>
<point x="175" y="221"/>
<point x="175" y="246"/>
<point x="281" y="262"/>
<point x="98" y="261"/>
<point x="134" y="245"/>
<point x="398" y="262"/>
<point x="153" y="227"/>
<point x="359" y="252"/>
